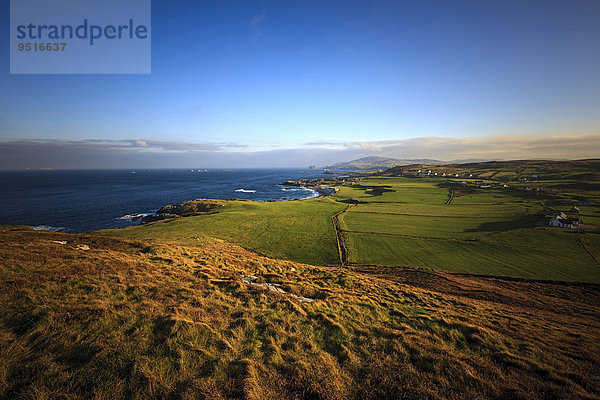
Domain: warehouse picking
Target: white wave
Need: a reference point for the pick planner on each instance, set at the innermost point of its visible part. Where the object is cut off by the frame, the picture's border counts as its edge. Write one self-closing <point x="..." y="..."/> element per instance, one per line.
<point x="131" y="217"/>
<point x="313" y="193"/>
<point x="48" y="228"/>
<point x="291" y="190"/>
<point x="246" y="191"/>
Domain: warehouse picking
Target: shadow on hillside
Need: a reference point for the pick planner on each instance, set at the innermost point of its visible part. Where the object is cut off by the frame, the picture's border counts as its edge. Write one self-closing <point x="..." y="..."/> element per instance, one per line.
<point x="352" y="201"/>
<point x="375" y="190"/>
<point x="501" y="226"/>
<point x="501" y="194"/>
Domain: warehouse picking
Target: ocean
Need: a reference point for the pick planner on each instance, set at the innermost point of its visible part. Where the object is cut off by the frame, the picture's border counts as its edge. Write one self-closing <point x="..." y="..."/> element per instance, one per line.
<point x="82" y="201"/>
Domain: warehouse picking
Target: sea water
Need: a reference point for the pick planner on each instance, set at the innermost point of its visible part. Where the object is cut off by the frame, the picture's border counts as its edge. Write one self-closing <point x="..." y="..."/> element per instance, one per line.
<point x="82" y="201"/>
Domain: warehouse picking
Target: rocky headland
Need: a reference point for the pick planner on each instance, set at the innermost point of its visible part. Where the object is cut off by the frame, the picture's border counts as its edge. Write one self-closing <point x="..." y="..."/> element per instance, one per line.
<point x="184" y="209"/>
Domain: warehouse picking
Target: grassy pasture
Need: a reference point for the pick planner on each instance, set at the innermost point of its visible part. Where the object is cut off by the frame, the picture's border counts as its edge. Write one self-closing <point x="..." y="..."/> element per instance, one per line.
<point x="592" y="220"/>
<point x="295" y="230"/>
<point x="401" y="221"/>
<point x="434" y="226"/>
<point x="390" y="190"/>
<point x="525" y="254"/>
<point x="455" y="210"/>
<point x="592" y="242"/>
<point x="498" y="196"/>
<point x="487" y="174"/>
<point x="489" y="232"/>
<point x="501" y="175"/>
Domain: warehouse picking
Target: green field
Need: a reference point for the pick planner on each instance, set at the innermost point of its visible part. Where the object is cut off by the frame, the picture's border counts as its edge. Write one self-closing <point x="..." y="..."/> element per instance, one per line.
<point x="297" y="230"/>
<point x="408" y="223"/>
<point x="434" y="226"/>
<point x="403" y="221"/>
<point x="535" y="255"/>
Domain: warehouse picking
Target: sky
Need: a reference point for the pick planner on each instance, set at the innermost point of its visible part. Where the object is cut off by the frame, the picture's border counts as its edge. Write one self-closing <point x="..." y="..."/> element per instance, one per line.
<point x="295" y="83"/>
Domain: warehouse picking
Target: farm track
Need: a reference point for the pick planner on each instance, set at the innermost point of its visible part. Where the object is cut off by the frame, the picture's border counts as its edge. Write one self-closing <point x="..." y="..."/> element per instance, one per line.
<point x="342" y="250"/>
<point x="587" y="250"/>
<point x="451" y="197"/>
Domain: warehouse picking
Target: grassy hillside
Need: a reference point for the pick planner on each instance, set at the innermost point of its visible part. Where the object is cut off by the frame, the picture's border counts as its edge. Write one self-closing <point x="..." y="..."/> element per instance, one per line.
<point x="374" y="163"/>
<point x="297" y="230"/>
<point x="411" y="221"/>
<point x="87" y="316"/>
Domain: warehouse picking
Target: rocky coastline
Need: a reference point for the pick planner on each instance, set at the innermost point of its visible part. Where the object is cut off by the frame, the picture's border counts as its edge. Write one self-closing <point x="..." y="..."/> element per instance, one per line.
<point x="184" y="209"/>
<point x="322" y="186"/>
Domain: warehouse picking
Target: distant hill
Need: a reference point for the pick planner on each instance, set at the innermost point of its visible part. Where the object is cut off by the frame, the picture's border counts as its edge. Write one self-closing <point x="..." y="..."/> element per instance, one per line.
<point x="587" y="170"/>
<point x="370" y="163"/>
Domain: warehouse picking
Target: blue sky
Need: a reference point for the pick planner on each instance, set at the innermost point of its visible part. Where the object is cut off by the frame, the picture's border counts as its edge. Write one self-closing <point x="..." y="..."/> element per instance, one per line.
<point x="325" y="77"/>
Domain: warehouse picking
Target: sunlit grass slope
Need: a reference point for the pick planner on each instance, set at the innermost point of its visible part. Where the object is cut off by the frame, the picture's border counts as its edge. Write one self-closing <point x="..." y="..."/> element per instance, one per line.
<point x="296" y="230"/>
<point x="132" y="320"/>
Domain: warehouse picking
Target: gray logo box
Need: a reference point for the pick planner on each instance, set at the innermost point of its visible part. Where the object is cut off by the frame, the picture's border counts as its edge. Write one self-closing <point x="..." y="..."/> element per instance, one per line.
<point x="80" y="37"/>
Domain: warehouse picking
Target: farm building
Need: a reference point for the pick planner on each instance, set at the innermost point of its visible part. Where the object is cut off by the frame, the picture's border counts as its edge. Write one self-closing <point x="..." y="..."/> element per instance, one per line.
<point x="560" y="220"/>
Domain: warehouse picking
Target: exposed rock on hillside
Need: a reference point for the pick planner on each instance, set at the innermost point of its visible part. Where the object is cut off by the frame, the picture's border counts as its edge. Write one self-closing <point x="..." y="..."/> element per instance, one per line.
<point x="185" y="209"/>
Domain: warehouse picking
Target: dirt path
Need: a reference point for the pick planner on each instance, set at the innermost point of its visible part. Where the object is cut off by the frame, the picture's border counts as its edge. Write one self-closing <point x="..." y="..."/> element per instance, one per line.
<point x="451" y="196"/>
<point x="587" y="250"/>
<point x="342" y="250"/>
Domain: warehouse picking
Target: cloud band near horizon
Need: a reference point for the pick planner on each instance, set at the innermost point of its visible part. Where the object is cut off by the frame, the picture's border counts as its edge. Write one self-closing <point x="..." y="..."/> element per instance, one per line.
<point x="140" y="153"/>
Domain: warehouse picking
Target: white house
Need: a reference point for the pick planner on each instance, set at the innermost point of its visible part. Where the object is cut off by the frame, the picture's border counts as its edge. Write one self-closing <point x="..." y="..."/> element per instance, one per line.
<point x="560" y="220"/>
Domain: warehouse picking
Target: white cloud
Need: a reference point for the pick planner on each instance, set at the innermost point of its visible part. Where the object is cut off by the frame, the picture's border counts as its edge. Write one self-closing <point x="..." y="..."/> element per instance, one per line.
<point x="141" y="153"/>
<point x="494" y="147"/>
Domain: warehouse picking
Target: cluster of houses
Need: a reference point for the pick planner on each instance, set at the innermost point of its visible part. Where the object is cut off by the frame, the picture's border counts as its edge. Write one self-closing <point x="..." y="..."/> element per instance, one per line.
<point x="485" y="185"/>
<point x="526" y="180"/>
<point x="479" y="183"/>
<point x="464" y="175"/>
<point x="429" y="172"/>
<point x="500" y="185"/>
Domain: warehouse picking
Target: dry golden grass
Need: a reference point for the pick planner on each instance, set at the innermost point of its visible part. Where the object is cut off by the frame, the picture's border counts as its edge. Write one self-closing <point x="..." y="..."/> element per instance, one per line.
<point x="129" y="320"/>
